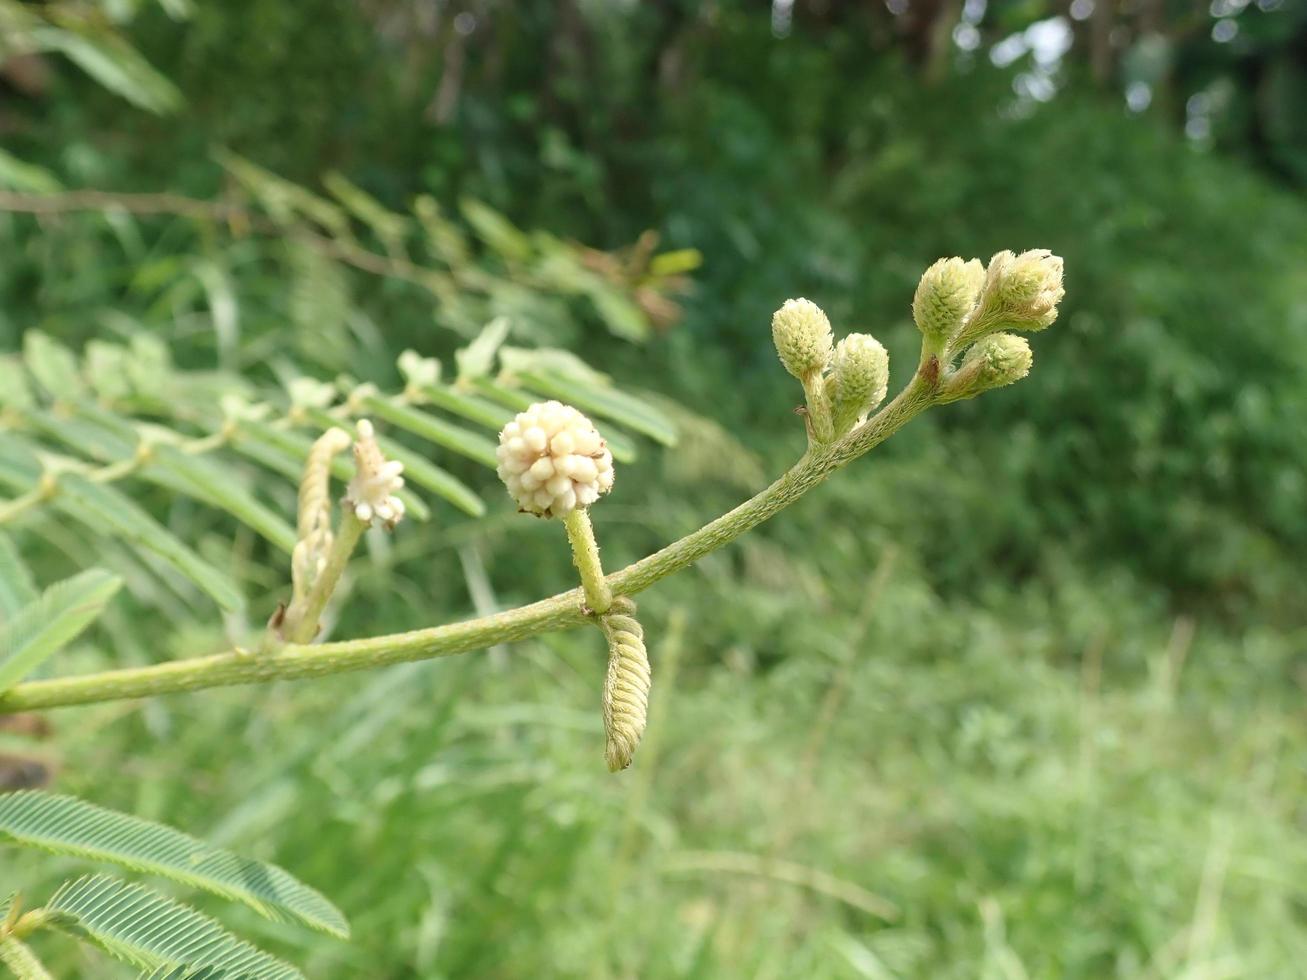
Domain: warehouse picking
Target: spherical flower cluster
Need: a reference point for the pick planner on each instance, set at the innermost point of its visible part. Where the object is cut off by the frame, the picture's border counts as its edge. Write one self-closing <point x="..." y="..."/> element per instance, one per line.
<point x="553" y="460"/>
<point x="377" y="480"/>
<point x="803" y="337"/>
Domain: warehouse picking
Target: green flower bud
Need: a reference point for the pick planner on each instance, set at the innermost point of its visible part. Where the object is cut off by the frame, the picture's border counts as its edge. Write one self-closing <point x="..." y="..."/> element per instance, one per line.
<point x="803" y="338"/>
<point x="997" y="360"/>
<point x="1021" y="292"/>
<point x="946" y="294"/>
<point x="859" y="379"/>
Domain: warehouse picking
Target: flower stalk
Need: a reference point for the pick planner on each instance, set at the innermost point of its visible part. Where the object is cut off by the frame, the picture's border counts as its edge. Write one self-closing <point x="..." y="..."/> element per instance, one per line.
<point x="585" y="556"/>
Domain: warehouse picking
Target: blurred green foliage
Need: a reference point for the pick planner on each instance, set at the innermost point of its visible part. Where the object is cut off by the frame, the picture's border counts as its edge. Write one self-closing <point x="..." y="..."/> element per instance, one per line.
<point x="1062" y="737"/>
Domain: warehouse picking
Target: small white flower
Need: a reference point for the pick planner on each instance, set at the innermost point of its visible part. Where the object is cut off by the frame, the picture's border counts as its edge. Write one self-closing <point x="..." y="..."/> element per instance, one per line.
<point x="377" y="480"/>
<point x="553" y="460"/>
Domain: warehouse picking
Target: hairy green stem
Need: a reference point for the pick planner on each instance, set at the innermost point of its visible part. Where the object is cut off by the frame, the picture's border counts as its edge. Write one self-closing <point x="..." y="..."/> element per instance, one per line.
<point x="821" y="425"/>
<point x="585" y="556"/>
<point x="21" y="961"/>
<point x="558" y="612"/>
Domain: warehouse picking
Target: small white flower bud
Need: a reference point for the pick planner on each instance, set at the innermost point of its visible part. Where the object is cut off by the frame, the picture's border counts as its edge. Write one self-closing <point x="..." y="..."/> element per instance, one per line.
<point x="802" y="336"/>
<point x="997" y="360"/>
<point x="418" y="371"/>
<point x="859" y="379"/>
<point x="946" y="294"/>
<point x="376" y="481"/>
<point x="553" y="460"/>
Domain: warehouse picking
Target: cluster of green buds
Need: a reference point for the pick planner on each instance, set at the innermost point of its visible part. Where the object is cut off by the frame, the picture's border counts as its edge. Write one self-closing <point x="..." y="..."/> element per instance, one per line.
<point x="965" y="308"/>
<point x="842" y="382"/>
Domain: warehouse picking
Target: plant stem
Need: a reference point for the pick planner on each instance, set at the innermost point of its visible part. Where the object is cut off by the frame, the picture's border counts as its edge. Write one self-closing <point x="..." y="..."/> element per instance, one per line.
<point x="20" y="960"/>
<point x="585" y="556"/>
<point x="48" y="485"/>
<point x="301" y="622"/>
<point x="821" y="425"/>
<point x="558" y="612"/>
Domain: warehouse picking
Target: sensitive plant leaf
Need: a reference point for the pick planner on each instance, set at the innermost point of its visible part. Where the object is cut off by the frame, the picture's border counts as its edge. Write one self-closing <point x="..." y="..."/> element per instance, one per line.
<point x="19" y="175"/>
<point x="107" y="511"/>
<point x="388" y="226"/>
<point x="105" y="444"/>
<point x="15" y="391"/>
<point x="44" y="627"/>
<point x="68" y="826"/>
<point x="17" y="588"/>
<point x="21" y="961"/>
<point x="470" y="407"/>
<point x="224" y="309"/>
<point x="496" y="230"/>
<point x="477" y="359"/>
<point x="622" y="317"/>
<point x="282" y="198"/>
<point x="53" y="365"/>
<point x="603" y="402"/>
<point x="434" y="429"/>
<point x="418" y="371"/>
<point x="110" y="439"/>
<point x="214" y="484"/>
<point x="115" y="64"/>
<point x="619" y="444"/>
<point x="106" y="369"/>
<point x="134" y="924"/>
<point x="190" y="973"/>
<point x="676" y="263"/>
<point x="20" y="467"/>
<point x="445" y="239"/>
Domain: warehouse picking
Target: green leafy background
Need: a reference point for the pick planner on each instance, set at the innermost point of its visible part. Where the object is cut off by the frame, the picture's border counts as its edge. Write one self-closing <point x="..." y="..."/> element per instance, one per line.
<point x="1020" y="695"/>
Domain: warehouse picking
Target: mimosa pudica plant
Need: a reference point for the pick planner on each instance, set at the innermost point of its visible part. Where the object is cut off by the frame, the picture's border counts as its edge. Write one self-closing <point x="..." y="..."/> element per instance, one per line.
<point x="555" y="464"/>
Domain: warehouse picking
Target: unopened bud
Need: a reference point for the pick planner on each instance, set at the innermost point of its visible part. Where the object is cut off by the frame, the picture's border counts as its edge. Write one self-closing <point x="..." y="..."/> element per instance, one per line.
<point x="1021" y="292"/>
<point x="803" y="338"/>
<point x="946" y="294"/>
<point x="997" y="360"/>
<point x="859" y="379"/>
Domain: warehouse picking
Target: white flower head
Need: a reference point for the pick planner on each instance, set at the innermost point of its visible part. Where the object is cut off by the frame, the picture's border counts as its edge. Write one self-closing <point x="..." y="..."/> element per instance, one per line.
<point x="372" y="492"/>
<point x="553" y="460"/>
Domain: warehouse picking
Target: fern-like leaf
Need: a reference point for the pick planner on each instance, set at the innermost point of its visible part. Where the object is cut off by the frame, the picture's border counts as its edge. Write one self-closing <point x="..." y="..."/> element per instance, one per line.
<point x="108" y="511"/>
<point x="65" y="825"/>
<point x="44" y="627"/>
<point x="134" y="924"/>
<point x="191" y="973"/>
<point x="16" y="586"/>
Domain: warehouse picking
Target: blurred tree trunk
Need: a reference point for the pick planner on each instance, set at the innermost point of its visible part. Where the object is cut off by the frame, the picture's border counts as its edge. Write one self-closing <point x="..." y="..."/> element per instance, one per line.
<point x="941" y="40"/>
<point x="1101" y="22"/>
